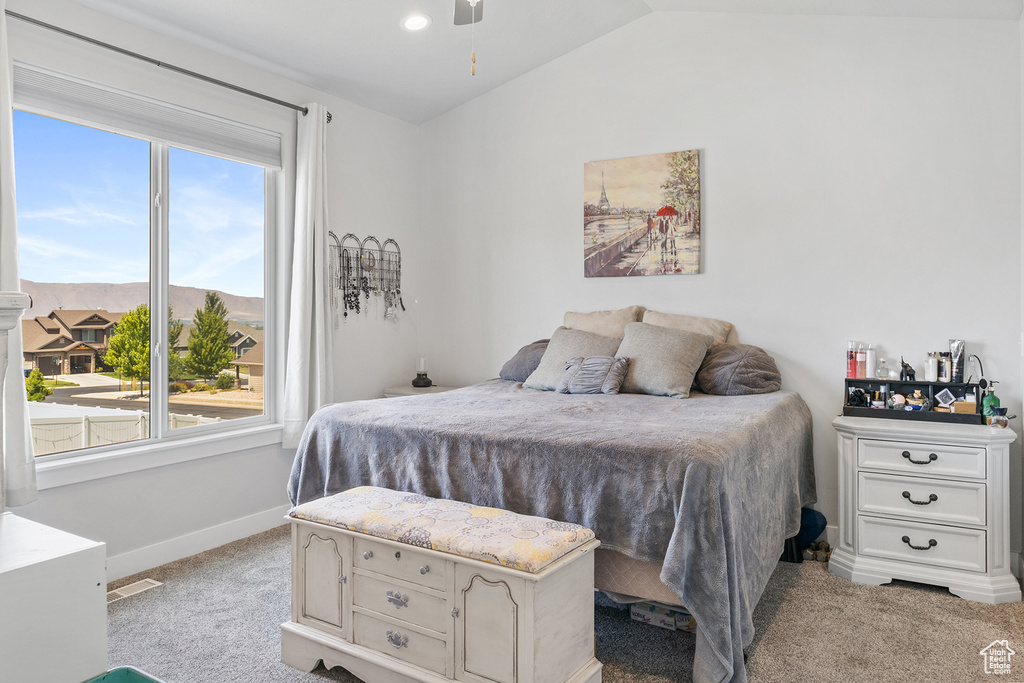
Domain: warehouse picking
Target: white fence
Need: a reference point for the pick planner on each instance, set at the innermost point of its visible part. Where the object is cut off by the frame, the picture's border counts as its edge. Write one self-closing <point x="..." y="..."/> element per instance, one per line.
<point x="70" y="432"/>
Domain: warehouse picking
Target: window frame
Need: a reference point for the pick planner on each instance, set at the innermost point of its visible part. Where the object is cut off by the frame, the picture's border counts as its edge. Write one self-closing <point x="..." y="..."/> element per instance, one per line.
<point x="164" y="445"/>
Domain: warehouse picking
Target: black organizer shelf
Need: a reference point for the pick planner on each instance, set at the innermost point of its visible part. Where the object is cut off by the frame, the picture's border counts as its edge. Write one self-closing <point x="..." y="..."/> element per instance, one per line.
<point x="929" y="389"/>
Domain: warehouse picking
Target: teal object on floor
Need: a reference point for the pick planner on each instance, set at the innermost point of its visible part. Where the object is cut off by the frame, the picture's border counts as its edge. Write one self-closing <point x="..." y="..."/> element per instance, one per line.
<point x="125" y="674"/>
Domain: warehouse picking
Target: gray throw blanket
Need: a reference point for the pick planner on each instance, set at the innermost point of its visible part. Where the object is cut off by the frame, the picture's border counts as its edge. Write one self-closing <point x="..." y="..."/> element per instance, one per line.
<point x="708" y="486"/>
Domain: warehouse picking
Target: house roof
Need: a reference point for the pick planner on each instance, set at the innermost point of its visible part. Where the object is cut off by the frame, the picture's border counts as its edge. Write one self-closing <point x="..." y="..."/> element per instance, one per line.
<point x="94" y="318"/>
<point x="233" y="327"/>
<point x="253" y="356"/>
<point x="54" y="332"/>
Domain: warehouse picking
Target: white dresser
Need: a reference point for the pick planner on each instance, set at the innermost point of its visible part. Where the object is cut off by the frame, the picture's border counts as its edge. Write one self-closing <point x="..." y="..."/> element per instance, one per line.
<point x="53" y="604"/>
<point x="926" y="502"/>
<point x="391" y="612"/>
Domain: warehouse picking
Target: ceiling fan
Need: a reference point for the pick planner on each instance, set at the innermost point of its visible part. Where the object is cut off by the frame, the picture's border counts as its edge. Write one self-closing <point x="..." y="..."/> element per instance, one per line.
<point x="468" y="11"/>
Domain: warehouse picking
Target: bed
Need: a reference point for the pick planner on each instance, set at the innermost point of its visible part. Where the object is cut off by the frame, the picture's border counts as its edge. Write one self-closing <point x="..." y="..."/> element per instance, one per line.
<point x="706" y="488"/>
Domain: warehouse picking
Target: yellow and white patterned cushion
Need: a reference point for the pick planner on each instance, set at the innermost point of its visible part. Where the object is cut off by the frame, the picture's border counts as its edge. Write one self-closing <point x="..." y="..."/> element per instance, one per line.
<point x="482" y="533"/>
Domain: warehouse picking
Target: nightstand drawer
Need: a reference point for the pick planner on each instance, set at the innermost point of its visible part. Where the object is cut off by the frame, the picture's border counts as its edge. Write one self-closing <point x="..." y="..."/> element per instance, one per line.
<point x="933" y="500"/>
<point x="393" y="640"/>
<point x="397" y="600"/>
<point x="934" y="544"/>
<point x="922" y="458"/>
<point x="400" y="563"/>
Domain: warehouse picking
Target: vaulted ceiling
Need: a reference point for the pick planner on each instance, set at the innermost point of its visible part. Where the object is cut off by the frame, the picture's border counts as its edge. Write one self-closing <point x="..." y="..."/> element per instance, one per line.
<point x="356" y="49"/>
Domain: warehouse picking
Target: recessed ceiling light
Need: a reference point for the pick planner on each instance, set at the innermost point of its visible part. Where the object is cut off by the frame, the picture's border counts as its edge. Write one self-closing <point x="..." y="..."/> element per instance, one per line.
<point x="415" y="22"/>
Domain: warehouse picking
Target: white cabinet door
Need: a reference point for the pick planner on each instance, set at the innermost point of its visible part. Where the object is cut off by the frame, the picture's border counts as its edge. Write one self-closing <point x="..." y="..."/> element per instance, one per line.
<point x="489" y="633"/>
<point x="322" y="569"/>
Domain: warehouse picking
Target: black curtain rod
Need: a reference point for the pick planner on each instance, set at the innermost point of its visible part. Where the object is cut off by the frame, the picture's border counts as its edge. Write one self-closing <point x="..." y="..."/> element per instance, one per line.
<point x="156" y="62"/>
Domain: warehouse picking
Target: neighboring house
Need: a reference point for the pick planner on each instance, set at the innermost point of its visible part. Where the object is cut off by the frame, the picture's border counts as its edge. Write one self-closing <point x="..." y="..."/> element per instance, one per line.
<point x="240" y="336"/>
<point x="253" y="358"/>
<point x="67" y="341"/>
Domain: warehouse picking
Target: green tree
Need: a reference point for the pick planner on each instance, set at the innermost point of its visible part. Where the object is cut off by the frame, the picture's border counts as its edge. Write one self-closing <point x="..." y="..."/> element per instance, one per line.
<point x="175" y="363"/>
<point x="681" y="189"/>
<point x="129" y="347"/>
<point x="35" y="388"/>
<point x="209" y="351"/>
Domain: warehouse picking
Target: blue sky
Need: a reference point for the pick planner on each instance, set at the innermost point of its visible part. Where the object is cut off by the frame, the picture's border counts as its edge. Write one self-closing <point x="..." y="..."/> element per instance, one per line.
<point x="83" y="210"/>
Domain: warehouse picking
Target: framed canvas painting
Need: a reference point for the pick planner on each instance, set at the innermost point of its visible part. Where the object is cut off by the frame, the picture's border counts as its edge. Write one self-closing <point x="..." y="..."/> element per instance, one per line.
<point x="641" y="215"/>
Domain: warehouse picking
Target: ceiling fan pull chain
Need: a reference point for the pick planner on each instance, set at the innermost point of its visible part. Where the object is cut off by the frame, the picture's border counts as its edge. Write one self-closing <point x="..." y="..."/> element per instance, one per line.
<point x="472" y="29"/>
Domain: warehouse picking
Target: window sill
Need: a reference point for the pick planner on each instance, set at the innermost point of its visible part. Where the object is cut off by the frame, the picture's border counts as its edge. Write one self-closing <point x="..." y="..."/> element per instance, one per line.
<point x="100" y="463"/>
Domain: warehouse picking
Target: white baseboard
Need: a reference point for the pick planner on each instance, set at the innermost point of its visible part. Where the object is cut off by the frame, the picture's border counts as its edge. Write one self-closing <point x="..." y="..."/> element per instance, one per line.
<point x="134" y="561"/>
<point x="832" y="535"/>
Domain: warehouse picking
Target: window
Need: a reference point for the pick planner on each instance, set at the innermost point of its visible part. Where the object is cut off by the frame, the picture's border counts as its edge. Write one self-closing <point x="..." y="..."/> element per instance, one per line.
<point x="148" y="271"/>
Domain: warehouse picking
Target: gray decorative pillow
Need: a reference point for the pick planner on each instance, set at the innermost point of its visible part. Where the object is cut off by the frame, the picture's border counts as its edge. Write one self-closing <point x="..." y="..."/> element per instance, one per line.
<point x="518" y="367"/>
<point x="566" y="344"/>
<point x="663" y="361"/>
<point x="593" y="375"/>
<point x="738" y="369"/>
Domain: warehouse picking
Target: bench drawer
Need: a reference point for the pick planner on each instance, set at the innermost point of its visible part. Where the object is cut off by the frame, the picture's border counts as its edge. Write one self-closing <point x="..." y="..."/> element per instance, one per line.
<point x="395" y="641"/>
<point x="397" y="600"/>
<point x="401" y="563"/>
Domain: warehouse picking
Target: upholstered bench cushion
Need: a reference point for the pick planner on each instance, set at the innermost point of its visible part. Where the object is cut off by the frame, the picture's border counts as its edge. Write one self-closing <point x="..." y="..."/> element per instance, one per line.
<point x="482" y="533"/>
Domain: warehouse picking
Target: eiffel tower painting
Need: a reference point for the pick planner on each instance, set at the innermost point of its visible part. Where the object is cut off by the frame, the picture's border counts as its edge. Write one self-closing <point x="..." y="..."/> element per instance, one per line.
<point x="655" y="227"/>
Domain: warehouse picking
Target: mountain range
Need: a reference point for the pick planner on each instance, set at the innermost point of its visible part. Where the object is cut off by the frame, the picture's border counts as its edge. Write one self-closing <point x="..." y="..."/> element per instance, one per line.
<point x="118" y="298"/>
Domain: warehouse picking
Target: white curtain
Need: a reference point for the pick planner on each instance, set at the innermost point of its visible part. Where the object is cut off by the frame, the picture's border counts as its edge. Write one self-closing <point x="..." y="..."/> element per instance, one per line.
<point x="19" y="465"/>
<point x="309" y="366"/>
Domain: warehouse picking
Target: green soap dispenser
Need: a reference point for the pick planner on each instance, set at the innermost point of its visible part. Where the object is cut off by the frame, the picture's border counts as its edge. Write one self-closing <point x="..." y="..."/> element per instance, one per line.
<point x="990" y="402"/>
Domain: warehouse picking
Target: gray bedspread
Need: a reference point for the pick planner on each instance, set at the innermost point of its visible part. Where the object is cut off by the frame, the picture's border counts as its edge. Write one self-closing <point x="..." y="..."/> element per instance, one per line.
<point x="709" y="486"/>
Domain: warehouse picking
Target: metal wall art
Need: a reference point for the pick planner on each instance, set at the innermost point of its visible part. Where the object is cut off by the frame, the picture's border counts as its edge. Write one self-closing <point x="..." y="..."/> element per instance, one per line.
<point x="361" y="268"/>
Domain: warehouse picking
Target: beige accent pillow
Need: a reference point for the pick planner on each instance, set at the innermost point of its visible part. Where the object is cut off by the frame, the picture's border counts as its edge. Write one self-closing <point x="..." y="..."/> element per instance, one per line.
<point x="723" y="332"/>
<point x="566" y="344"/>
<point x="662" y="360"/>
<point x="604" y="323"/>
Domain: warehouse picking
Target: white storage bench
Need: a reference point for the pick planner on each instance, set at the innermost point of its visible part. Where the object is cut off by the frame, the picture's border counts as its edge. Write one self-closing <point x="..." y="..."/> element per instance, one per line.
<point x="399" y="587"/>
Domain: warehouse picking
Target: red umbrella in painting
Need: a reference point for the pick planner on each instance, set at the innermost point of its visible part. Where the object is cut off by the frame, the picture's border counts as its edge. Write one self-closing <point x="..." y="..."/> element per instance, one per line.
<point x="667" y="211"/>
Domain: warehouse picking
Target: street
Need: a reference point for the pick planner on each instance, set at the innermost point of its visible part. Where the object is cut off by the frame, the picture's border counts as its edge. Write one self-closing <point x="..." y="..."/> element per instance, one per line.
<point x="80" y="396"/>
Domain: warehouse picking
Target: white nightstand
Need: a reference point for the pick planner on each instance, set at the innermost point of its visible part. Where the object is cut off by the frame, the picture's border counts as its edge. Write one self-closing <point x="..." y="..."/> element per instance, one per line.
<point x="926" y="502"/>
<point x="410" y="390"/>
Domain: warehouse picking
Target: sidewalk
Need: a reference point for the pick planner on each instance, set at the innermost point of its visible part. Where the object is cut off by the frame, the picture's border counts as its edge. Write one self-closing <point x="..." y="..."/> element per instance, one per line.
<point x="222" y="399"/>
<point x="89" y="379"/>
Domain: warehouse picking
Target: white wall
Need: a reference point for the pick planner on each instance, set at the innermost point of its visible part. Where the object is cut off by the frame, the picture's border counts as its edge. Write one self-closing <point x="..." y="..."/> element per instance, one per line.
<point x="160" y="514"/>
<point x="861" y="180"/>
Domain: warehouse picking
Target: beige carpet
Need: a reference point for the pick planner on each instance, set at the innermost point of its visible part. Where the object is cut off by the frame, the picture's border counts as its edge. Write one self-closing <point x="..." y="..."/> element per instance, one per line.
<point x="216" y="619"/>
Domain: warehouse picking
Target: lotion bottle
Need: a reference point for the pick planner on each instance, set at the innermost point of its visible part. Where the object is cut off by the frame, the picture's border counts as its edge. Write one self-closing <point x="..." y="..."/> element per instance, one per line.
<point x="862" y="362"/>
<point x="871" y="362"/>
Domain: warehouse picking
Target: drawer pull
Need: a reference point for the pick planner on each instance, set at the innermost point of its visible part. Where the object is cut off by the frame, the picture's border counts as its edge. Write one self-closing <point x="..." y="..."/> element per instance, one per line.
<point x="342" y="579"/>
<point x="397" y="639"/>
<point x="368" y="554"/>
<point x="397" y="599"/>
<point x="931" y="458"/>
<point x="424" y="569"/>
<point x="931" y="544"/>
<point x="398" y="554"/>
<point x="931" y="499"/>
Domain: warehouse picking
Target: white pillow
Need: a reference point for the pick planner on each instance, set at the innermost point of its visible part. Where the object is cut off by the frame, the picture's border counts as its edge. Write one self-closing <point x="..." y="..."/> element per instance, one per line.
<point x="721" y="331"/>
<point x="604" y="323"/>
